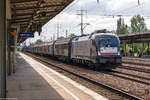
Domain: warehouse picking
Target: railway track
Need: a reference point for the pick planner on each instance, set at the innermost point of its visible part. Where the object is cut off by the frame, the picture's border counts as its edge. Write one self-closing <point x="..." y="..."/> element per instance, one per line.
<point x="124" y="93"/>
<point x="139" y="79"/>
<point x="136" y="61"/>
<point x="135" y="69"/>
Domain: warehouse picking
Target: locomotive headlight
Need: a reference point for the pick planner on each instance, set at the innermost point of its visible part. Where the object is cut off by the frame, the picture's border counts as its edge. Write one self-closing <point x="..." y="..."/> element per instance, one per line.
<point x="99" y="53"/>
<point x="118" y="53"/>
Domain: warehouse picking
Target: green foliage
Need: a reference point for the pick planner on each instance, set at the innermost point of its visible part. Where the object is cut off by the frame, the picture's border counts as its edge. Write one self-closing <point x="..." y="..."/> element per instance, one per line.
<point x="61" y="37"/>
<point x="122" y="28"/>
<point x="72" y="35"/>
<point x="38" y="41"/>
<point x="128" y="48"/>
<point x="138" y="24"/>
<point x="18" y="48"/>
<point x="137" y="47"/>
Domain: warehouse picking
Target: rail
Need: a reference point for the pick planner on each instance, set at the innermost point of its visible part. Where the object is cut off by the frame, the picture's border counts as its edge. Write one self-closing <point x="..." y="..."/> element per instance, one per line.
<point x="124" y="93"/>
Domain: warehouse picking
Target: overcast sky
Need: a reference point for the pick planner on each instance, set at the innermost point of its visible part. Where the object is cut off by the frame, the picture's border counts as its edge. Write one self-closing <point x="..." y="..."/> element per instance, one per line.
<point x="100" y="16"/>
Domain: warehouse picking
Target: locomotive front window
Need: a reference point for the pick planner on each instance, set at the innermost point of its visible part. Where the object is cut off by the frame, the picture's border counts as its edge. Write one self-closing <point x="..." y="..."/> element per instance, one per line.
<point x="107" y="41"/>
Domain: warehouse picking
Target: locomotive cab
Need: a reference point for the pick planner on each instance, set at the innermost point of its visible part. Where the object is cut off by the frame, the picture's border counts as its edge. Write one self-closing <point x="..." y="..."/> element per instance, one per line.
<point x="108" y="49"/>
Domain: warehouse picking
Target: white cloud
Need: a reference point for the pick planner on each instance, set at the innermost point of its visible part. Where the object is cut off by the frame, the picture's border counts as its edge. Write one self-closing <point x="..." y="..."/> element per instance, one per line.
<point x="69" y="20"/>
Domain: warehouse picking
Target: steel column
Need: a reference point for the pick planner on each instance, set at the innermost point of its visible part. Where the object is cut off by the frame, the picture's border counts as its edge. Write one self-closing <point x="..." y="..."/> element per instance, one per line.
<point x="132" y="53"/>
<point x="125" y="49"/>
<point x="2" y="49"/>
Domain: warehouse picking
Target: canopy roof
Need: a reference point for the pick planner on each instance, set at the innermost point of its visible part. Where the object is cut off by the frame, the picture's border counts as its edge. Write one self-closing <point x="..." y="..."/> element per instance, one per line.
<point x="32" y="14"/>
<point x="135" y="37"/>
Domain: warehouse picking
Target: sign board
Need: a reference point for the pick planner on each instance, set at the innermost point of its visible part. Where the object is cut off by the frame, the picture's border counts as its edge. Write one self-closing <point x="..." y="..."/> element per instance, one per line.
<point x="14" y="31"/>
<point x="29" y="35"/>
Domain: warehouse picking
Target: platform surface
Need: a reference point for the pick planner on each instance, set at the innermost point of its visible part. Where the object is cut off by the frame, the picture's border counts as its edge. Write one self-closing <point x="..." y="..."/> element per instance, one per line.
<point x="35" y="81"/>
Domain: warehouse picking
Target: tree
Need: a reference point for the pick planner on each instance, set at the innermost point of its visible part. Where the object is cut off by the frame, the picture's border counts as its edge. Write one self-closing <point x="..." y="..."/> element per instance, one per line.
<point x="61" y="37"/>
<point x="122" y="28"/>
<point x="72" y="35"/>
<point x="138" y="24"/>
<point x="38" y="41"/>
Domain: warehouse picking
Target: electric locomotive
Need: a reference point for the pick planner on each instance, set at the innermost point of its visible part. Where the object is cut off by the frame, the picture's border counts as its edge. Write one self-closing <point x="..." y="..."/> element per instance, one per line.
<point x="96" y="49"/>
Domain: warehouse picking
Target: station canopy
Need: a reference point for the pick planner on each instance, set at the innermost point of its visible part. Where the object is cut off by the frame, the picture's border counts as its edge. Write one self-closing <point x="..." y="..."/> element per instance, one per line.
<point x="135" y="37"/>
<point x="30" y="15"/>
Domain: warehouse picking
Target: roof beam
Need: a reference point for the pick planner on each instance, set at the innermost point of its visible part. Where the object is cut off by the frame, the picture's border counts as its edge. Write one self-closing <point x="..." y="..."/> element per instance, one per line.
<point x="22" y="1"/>
<point x="46" y="6"/>
<point x="22" y="18"/>
<point x="28" y="18"/>
<point x="25" y="14"/>
<point x="26" y="21"/>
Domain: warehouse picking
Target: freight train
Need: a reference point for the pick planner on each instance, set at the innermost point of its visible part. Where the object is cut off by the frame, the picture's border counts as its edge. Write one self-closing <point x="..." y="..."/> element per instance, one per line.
<point x="95" y="50"/>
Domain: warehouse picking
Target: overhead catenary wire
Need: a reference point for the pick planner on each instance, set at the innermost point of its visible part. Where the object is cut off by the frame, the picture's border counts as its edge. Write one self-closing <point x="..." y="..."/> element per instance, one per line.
<point x="114" y="14"/>
<point x="66" y="10"/>
<point x="129" y="8"/>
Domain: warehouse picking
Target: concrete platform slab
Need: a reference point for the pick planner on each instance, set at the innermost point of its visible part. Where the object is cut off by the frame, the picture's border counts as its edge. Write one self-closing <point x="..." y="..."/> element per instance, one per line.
<point x="35" y="81"/>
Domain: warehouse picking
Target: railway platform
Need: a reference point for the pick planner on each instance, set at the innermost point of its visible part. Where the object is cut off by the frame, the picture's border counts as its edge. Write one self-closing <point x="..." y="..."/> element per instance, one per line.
<point x="35" y="81"/>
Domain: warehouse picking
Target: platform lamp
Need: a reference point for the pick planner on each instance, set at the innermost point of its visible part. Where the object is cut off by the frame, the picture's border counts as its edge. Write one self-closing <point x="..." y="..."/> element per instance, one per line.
<point x="32" y="28"/>
<point x="43" y="14"/>
<point x="39" y="27"/>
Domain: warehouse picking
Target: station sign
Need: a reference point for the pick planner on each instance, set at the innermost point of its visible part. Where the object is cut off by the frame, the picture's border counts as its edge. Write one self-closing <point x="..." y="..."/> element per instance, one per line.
<point x="28" y="35"/>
